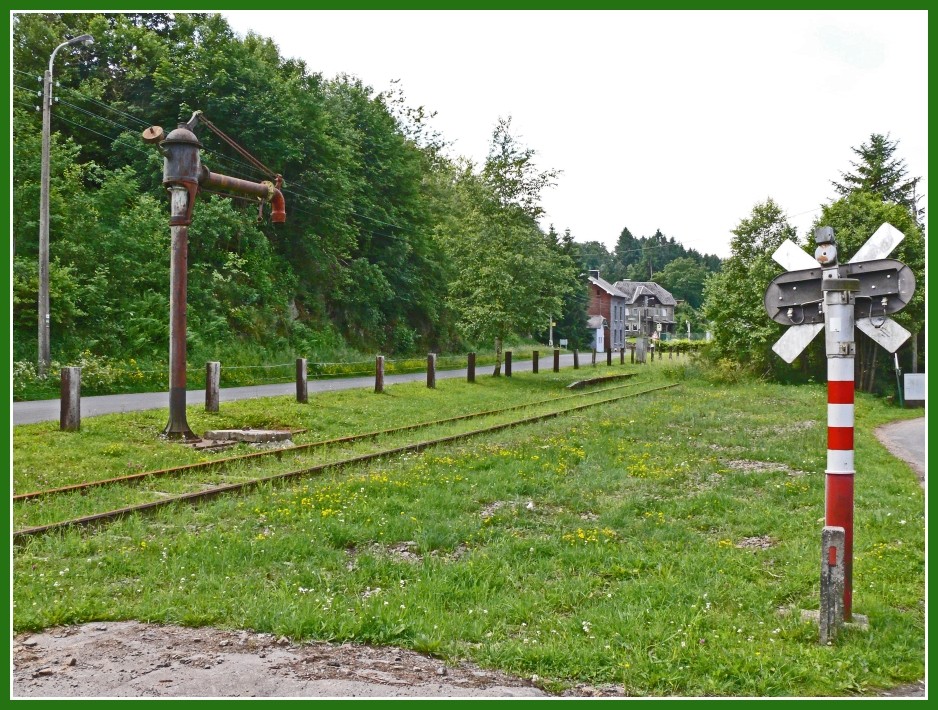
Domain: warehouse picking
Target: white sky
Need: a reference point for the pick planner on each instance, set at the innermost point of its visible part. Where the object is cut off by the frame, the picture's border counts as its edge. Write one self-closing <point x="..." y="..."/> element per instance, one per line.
<point x="675" y="120"/>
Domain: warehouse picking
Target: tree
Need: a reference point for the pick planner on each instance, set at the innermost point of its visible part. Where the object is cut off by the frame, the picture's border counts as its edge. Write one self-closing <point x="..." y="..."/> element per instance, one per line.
<point x="627" y="251"/>
<point x="506" y="277"/>
<point x="571" y="321"/>
<point x="733" y="298"/>
<point x="684" y="278"/>
<point x="593" y="256"/>
<point x="511" y="174"/>
<point x="879" y="173"/>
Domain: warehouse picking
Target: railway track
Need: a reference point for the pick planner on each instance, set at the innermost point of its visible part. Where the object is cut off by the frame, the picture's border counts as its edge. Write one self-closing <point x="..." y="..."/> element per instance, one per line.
<point x="22" y="535"/>
<point x="222" y="463"/>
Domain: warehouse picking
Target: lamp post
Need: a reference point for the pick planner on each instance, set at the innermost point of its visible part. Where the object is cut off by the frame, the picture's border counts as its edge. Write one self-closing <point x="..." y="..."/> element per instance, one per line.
<point x="44" y="356"/>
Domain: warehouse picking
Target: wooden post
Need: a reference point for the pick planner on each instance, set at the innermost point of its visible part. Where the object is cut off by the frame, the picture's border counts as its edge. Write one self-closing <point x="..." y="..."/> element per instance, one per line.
<point x="609" y="357"/>
<point x="212" y="380"/>
<point x="594" y="357"/>
<point x="534" y="363"/>
<point x="70" y="393"/>
<point x="556" y="360"/>
<point x="379" y="374"/>
<point x="632" y="354"/>
<point x="471" y="368"/>
<point x="431" y="370"/>
<point x="302" y="392"/>
<point x="622" y="354"/>
<point x="508" y="363"/>
<point x="576" y="359"/>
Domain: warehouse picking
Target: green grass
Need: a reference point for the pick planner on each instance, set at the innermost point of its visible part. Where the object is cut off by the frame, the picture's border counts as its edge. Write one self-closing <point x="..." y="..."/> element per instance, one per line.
<point x="603" y="547"/>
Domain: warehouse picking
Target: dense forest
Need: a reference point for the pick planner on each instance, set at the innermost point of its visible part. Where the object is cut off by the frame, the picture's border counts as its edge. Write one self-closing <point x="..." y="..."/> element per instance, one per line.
<point x="391" y="242"/>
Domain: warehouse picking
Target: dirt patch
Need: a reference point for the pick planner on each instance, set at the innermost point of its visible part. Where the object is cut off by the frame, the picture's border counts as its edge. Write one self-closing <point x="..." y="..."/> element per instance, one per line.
<point x="132" y="659"/>
<point x="403" y="552"/>
<point x="493" y="507"/>
<point x="762" y="542"/>
<point x="761" y="467"/>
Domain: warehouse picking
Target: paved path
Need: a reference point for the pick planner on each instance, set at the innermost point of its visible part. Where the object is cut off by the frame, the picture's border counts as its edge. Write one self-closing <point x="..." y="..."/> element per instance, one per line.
<point x="907" y="440"/>
<point x="49" y="409"/>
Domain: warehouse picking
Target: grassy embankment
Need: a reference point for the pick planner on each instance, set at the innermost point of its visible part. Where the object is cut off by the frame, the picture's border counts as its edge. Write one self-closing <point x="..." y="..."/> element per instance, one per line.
<point x="656" y="543"/>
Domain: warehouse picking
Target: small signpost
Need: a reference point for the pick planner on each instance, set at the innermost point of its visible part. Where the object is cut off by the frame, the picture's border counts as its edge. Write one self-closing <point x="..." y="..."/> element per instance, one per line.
<point x="820" y="294"/>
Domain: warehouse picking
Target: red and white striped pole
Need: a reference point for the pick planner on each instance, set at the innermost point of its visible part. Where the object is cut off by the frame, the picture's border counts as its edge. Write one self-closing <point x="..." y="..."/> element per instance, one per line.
<point x="839" y="475"/>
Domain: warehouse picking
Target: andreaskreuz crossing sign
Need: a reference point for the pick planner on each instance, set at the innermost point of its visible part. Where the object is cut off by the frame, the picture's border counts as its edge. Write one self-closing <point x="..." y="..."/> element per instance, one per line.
<point x="819" y="294"/>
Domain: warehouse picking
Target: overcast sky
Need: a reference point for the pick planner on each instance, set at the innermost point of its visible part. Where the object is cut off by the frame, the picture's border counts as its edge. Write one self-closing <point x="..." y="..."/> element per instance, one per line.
<point x="680" y="121"/>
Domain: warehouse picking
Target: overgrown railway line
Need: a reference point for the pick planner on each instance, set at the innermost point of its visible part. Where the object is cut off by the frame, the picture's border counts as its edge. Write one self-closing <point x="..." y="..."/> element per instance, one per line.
<point x="214" y="490"/>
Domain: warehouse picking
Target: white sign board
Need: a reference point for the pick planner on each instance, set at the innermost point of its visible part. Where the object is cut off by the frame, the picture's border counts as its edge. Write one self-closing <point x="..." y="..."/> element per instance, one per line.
<point x="914" y="387"/>
<point x="563" y="342"/>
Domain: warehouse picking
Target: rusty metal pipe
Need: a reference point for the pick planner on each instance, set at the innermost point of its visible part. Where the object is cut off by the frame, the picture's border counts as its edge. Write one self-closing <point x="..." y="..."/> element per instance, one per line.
<point x="178" y="427"/>
<point x="265" y="191"/>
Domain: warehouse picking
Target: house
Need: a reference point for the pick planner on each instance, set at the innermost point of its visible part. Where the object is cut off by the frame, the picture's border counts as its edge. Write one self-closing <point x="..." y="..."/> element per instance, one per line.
<point x="628" y="309"/>
<point x="597" y="326"/>
<point x="648" y="308"/>
<point x="608" y="303"/>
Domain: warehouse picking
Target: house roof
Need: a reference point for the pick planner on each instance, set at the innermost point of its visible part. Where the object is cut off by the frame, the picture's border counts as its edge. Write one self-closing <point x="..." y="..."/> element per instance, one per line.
<point x="594" y="322"/>
<point x="634" y="290"/>
<point x="606" y="286"/>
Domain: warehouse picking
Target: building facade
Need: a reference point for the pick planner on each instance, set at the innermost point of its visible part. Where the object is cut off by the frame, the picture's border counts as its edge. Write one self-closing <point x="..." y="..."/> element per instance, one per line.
<point x="608" y="303"/>
<point x="629" y="309"/>
<point x="649" y="308"/>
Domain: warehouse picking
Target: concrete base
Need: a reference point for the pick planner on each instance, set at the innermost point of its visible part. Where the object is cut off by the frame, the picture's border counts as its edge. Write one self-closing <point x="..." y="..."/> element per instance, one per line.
<point x="251" y="436"/>
<point x="859" y="621"/>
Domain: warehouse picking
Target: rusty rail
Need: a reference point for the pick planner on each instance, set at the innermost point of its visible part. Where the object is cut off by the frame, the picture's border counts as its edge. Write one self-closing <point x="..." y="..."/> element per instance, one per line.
<point x="223" y="462"/>
<point x="19" y="536"/>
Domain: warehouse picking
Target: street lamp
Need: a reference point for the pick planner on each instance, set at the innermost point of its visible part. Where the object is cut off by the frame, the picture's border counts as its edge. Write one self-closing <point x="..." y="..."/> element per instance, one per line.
<point x="44" y="207"/>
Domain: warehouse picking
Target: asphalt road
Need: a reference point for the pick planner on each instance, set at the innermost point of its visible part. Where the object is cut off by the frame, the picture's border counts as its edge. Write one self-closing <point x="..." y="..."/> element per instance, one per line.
<point x="49" y="409"/>
<point x="907" y="440"/>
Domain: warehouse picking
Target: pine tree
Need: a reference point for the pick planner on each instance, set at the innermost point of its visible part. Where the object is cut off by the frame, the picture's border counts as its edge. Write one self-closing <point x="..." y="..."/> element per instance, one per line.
<point x="879" y="173"/>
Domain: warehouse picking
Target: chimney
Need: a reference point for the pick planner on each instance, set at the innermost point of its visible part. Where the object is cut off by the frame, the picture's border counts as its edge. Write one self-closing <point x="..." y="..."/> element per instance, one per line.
<point x="594" y="273"/>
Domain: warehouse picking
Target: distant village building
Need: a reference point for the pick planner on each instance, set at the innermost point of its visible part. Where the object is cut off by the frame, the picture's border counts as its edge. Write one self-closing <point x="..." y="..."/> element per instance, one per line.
<point x="609" y="303"/>
<point x="629" y="309"/>
<point x="597" y="327"/>
<point x="648" y="306"/>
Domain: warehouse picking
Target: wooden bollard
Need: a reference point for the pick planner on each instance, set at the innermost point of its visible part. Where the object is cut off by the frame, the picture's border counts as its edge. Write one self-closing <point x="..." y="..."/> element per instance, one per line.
<point x="556" y="359"/>
<point x="594" y="357"/>
<point x="212" y="382"/>
<point x="70" y="394"/>
<point x="508" y="363"/>
<point x="302" y="392"/>
<point x="632" y="354"/>
<point x="622" y="355"/>
<point x="534" y="363"/>
<point x="379" y="374"/>
<point x="576" y="359"/>
<point x="431" y="370"/>
<point x="471" y="368"/>
<point x="609" y="357"/>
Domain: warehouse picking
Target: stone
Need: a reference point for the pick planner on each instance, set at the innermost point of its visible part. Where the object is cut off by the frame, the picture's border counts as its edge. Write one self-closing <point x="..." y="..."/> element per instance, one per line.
<point x="251" y="436"/>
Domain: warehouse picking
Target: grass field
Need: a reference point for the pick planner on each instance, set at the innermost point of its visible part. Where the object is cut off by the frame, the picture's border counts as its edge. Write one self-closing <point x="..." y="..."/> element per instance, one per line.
<point x="665" y="543"/>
